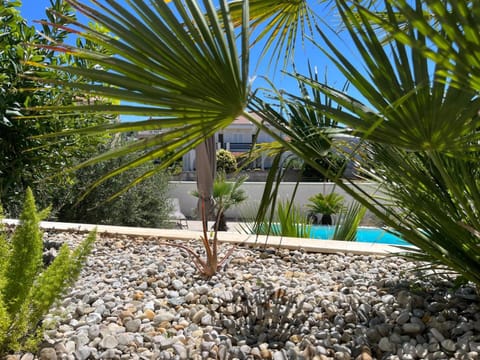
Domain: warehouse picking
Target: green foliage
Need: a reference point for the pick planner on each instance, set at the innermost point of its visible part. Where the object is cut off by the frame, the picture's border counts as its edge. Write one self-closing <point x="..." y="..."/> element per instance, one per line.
<point x="422" y="129"/>
<point x="326" y="205"/>
<point x="291" y="220"/>
<point x="436" y="197"/>
<point x="348" y="222"/>
<point x="27" y="289"/>
<point x="25" y="160"/>
<point x="25" y="259"/>
<point x="158" y="76"/>
<point x="226" y="194"/>
<point x="287" y="220"/>
<point x="334" y="165"/>
<point x="144" y="205"/>
<point x="226" y="161"/>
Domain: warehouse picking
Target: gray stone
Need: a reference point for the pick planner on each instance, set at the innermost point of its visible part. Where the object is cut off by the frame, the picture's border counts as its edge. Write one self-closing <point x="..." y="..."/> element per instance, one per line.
<point x="475" y="346"/>
<point x="177" y="284"/>
<point x="437" y="334"/>
<point x="164" y="342"/>
<point x="93" y="331"/>
<point x="207" y="319"/>
<point x="345" y="303"/>
<point x="109" y="342"/>
<point x="48" y="353"/>
<point x="181" y="351"/>
<point x="83" y="352"/>
<point x="125" y="339"/>
<point x="279" y="355"/>
<point x="69" y="346"/>
<point x="373" y="335"/>
<point x="163" y="316"/>
<point x="176" y="300"/>
<point x="202" y="290"/>
<point x="412" y="328"/>
<point x="403" y="317"/>
<point x="385" y="345"/>
<point x="388" y="299"/>
<point x="133" y="325"/>
<point x="197" y="317"/>
<point x="448" y="345"/>
<point x="421" y="351"/>
<point x="348" y="282"/>
<point x="80" y="340"/>
<point x="342" y="356"/>
<point x="110" y="354"/>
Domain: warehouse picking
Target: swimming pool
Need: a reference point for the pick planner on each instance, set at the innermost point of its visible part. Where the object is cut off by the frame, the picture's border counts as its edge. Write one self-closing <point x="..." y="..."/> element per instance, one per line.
<point x="364" y="234"/>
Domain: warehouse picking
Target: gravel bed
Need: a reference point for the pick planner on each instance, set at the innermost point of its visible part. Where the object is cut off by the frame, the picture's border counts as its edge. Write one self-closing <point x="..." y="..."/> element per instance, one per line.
<point x="137" y="299"/>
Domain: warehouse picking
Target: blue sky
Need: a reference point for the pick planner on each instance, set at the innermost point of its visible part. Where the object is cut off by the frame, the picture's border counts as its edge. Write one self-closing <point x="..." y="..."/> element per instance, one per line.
<point x="35" y="9"/>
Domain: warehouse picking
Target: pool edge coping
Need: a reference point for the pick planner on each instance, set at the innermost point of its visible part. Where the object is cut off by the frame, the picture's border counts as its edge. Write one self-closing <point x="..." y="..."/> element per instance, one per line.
<point x="304" y="244"/>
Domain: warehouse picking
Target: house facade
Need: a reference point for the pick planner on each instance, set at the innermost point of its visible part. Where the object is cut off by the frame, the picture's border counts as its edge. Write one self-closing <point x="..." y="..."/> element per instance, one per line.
<point x="238" y="138"/>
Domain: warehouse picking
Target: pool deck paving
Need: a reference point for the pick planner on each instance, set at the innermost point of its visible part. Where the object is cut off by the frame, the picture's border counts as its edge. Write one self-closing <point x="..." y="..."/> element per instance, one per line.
<point x="233" y="236"/>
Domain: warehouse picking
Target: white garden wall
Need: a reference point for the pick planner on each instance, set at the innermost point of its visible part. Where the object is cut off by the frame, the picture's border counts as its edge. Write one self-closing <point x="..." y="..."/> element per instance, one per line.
<point x="182" y="190"/>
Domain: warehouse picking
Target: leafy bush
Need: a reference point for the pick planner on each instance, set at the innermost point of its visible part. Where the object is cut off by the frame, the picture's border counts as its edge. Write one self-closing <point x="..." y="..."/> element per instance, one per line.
<point x="144" y="205"/>
<point x="27" y="290"/>
<point x="226" y="161"/>
<point x="20" y="167"/>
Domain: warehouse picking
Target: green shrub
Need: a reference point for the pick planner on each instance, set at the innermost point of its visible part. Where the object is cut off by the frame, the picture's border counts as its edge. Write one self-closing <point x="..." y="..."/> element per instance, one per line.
<point x="27" y="289"/>
<point x="226" y="161"/>
<point x="144" y="205"/>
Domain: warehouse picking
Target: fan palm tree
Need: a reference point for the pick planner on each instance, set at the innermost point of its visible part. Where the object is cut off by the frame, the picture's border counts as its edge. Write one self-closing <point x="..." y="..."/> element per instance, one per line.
<point x="181" y="61"/>
<point x="226" y="194"/>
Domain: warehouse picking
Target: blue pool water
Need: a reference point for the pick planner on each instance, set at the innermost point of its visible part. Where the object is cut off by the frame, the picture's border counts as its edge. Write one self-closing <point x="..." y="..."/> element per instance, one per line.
<point x="374" y="235"/>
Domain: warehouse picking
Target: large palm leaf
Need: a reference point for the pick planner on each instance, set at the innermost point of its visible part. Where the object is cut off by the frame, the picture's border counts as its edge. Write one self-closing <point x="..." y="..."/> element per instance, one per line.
<point x="409" y="106"/>
<point x="279" y="23"/>
<point x="455" y="45"/>
<point x="176" y="64"/>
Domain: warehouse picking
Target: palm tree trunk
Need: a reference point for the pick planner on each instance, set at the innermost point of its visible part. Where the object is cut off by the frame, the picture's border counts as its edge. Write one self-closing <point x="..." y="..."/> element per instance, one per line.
<point x="206" y="167"/>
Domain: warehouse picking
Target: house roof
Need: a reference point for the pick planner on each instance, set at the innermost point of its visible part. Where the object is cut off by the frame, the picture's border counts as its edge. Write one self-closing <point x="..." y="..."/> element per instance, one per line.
<point x="242" y="120"/>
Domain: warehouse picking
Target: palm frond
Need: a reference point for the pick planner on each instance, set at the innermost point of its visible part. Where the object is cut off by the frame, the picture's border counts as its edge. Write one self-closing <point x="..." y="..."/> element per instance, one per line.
<point x="278" y="24"/>
<point x="407" y="102"/>
<point x="453" y="37"/>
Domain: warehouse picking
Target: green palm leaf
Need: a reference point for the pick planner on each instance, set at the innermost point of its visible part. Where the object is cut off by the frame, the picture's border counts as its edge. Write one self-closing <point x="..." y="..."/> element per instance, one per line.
<point x="279" y="23"/>
<point x="455" y="46"/>
<point x="408" y="104"/>
<point x="176" y="63"/>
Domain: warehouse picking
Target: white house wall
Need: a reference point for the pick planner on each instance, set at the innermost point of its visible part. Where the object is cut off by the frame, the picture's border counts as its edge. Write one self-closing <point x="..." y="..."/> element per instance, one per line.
<point x="182" y="190"/>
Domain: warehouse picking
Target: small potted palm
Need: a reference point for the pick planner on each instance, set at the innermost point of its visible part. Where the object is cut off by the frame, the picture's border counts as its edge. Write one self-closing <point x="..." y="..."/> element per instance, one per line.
<point x="327" y="205"/>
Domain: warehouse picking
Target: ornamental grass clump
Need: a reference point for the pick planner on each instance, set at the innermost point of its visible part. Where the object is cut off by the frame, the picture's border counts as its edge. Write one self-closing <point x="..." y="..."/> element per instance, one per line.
<point x="27" y="288"/>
